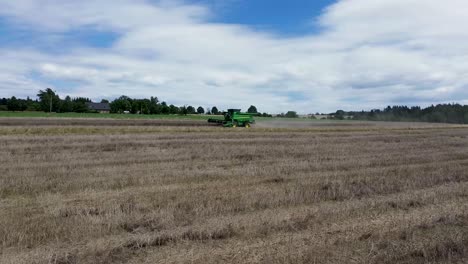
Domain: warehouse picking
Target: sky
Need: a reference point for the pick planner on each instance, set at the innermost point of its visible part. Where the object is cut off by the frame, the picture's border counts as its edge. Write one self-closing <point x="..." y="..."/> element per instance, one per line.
<point x="302" y="55"/>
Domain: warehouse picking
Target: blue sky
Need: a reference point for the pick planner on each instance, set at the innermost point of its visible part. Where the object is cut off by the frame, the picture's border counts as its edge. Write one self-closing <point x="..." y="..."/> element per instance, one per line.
<point x="308" y="56"/>
<point x="284" y="18"/>
<point x="292" y="17"/>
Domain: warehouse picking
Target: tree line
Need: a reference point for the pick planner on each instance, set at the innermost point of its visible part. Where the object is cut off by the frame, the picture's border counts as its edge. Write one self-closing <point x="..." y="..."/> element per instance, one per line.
<point x="441" y="113"/>
<point x="152" y="106"/>
<point x="49" y="101"/>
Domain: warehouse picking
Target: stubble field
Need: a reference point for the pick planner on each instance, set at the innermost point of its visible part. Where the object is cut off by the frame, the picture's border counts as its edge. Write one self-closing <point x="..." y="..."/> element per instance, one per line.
<point x="142" y="193"/>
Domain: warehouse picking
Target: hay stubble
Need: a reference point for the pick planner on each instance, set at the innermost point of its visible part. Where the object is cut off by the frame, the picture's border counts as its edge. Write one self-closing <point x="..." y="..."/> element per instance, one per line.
<point x="208" y="195"/>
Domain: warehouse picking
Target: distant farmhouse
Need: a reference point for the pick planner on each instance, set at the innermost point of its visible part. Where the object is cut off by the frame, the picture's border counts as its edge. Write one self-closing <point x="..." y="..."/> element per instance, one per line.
<point x="103" y="108"/>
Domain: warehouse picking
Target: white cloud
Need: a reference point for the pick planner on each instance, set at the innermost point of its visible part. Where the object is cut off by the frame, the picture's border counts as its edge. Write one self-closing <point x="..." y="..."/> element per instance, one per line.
<point x="63" y="15"/>
<point x="369" y="54"/>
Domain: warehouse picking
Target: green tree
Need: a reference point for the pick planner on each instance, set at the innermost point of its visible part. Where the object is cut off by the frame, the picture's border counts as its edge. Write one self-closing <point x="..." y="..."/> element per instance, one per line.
<point x="13" y="104"/>
<point x="214" y="110"/>
<point x="291" y="114"/>
<point x="165" y="108"/>
<point x="67" y="105"/>
<point x="145" y="106"/>
<point x="32" y="105"/>
<point x="79" y="105"/>
<point x="183" y="110"/>
<point x="340" y="114"/>
<point x="121" y="104"/>
<point x="49" y="101"/>
<point x="173" y="109"/>
<point x="138" y="106"/>
<point x="252" y="109"/>
<point x="3" y="104"/>
<point x="191" y="109"/>
<point x="154" y="106"/>
<point x="200" y="110"/>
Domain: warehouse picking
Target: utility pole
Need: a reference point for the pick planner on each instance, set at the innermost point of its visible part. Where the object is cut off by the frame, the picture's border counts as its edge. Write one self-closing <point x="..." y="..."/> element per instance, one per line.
<point x="50" y="105"/>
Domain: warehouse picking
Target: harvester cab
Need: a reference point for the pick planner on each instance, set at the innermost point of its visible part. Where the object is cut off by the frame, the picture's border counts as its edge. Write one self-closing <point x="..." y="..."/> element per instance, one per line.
<point x="234" y="118"/>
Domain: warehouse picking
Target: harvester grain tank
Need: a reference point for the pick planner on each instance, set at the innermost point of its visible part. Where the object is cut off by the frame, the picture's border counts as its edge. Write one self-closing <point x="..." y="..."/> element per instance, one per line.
<point x="234" y="118"/>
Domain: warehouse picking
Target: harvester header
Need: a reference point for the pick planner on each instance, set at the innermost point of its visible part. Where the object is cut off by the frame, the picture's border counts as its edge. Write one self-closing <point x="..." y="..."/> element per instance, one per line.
<point x="234" y="118"/>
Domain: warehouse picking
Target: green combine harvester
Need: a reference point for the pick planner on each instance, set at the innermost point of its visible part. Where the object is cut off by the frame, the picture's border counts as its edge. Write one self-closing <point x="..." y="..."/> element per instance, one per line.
<point x="234" y="118"/>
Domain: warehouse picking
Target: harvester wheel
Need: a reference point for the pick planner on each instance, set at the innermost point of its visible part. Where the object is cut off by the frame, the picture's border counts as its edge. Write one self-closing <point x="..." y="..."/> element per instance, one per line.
<point x="234" y="124"/>
<point x="247" y="125"/>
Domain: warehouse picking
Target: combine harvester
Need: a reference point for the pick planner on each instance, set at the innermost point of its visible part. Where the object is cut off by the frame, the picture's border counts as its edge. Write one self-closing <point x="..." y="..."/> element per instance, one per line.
<point x="234" y="118"/>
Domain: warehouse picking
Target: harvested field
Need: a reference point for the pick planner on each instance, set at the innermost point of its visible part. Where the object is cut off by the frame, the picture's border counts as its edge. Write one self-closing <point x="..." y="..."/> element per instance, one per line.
<point x="308" y="123"/>
<point x="98" y="122"/>
<point x="376" y="193"/>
